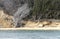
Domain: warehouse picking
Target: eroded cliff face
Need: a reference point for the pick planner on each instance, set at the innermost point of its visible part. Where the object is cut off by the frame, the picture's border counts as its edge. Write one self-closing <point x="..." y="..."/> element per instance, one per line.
<point x="7" y="22"/>
<point x="19" y="9"/>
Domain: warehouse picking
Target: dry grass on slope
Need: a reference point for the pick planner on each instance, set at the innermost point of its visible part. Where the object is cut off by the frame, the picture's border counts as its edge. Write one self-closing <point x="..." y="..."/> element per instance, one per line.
<point x="5" y="20"/>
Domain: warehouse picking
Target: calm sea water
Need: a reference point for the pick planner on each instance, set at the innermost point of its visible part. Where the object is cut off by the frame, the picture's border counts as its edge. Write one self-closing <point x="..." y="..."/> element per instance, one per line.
<point x="31" y="34"/>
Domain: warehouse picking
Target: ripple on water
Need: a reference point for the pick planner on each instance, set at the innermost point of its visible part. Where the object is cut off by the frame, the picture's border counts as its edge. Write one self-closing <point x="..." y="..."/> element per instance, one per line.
<point x="31" y="34"/>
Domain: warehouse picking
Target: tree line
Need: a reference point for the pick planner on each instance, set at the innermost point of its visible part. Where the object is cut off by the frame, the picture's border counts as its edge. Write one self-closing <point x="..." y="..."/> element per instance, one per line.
<point x="44" y="9"/>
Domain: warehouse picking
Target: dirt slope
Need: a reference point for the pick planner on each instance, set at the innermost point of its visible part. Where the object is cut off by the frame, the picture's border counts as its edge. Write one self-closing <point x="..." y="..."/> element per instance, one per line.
<point x="6" y="22"/>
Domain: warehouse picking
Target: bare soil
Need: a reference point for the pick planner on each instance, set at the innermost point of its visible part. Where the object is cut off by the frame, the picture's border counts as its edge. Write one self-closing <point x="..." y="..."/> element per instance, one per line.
<point x="6" y="22"/>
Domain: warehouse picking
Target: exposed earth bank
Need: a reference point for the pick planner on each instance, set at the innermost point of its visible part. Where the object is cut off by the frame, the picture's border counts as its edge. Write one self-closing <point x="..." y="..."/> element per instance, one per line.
<point x="6" y="22"/>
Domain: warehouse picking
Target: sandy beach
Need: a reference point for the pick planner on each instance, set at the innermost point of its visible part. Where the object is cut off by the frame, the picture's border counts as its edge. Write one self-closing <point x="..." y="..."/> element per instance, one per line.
<point x="30" y="28"/>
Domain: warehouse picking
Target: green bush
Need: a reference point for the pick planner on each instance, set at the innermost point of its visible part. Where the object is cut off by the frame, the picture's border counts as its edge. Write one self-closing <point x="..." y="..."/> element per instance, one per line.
<point x="46" y="9"/>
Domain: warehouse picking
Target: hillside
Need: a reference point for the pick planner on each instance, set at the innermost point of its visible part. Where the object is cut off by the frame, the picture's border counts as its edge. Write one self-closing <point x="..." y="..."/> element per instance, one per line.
<point x="6" y="22"/>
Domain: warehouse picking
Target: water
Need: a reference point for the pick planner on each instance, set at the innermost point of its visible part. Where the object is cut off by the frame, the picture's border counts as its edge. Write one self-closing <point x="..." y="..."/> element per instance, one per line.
<point x="21" y="34"/>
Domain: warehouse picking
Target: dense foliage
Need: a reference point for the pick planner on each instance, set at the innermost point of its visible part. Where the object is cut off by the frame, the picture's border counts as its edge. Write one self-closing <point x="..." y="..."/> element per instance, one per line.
<point x="46" y="9"/>
<point x="41" y="9"/>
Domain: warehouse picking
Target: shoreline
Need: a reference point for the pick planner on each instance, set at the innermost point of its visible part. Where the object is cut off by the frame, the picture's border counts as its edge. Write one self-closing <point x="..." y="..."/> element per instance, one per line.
<point x="30" y="28"/>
